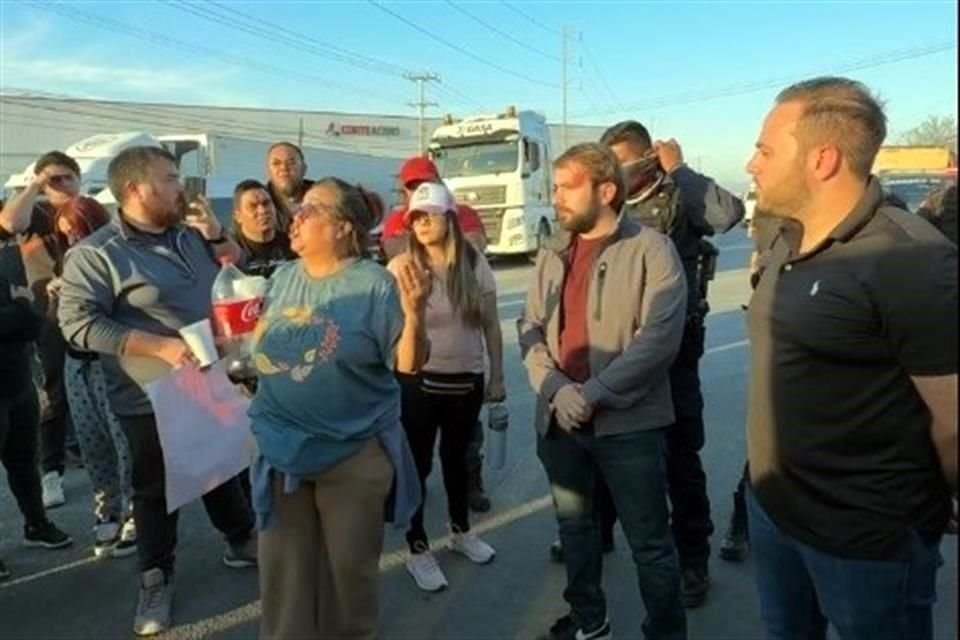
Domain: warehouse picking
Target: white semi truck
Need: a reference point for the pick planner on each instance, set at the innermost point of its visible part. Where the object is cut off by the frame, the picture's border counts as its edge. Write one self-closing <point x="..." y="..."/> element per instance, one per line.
<point x="213" y="164"/>
<point x="500" y="165"/>
<point x="93" y="154"/>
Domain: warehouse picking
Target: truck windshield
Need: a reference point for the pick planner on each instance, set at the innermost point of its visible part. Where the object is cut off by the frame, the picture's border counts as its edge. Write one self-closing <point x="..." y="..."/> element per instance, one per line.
<point x="477" y="159"/>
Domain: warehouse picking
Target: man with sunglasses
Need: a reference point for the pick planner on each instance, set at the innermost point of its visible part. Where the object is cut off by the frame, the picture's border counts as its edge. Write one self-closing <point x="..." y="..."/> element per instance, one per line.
<point x="29" y="219"/>
<point x="664" y="193"/>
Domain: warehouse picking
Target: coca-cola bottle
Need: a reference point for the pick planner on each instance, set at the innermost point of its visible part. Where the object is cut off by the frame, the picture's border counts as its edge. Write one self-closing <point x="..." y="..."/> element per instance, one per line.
<point x="236" y="300"/>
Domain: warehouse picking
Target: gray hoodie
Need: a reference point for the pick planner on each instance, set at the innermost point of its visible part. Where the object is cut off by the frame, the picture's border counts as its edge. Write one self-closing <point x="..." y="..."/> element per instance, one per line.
<point x="119" y="279"/>
<point x="636" y="310"/>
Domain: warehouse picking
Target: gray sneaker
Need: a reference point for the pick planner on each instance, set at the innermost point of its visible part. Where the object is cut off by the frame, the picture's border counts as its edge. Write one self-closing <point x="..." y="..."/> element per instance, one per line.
<point x="155" y="603"/>
<point x="242" y="554"/>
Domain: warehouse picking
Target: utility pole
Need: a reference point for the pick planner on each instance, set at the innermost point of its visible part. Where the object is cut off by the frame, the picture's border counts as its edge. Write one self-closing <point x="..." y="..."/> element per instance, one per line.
<point x="421" y="104"/>
<point x="300" y="134"/>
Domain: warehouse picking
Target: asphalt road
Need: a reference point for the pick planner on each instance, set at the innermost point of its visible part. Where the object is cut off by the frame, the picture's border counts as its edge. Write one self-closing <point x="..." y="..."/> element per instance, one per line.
<point x="68" y="595"/>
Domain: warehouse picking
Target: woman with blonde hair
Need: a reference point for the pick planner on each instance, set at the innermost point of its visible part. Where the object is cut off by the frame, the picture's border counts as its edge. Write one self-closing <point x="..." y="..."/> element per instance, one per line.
<point x="446" y="396"/>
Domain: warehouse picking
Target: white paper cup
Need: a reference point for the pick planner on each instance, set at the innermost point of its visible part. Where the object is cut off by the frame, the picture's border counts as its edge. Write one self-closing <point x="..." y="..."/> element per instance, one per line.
<point x="199" y="337"/>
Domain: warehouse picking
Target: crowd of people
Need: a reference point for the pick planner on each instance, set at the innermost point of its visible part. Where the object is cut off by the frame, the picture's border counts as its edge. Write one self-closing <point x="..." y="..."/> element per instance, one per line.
<point x="363" y="370"/>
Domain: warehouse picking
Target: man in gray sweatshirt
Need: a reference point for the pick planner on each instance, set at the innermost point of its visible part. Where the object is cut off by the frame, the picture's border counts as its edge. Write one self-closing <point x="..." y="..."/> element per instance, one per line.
<point x="126" y="291"/>
<point x="603" y="320"/>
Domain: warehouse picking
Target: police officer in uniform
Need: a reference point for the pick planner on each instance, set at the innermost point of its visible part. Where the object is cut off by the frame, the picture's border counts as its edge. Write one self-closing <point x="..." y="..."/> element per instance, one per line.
<point x="669" y="196"/>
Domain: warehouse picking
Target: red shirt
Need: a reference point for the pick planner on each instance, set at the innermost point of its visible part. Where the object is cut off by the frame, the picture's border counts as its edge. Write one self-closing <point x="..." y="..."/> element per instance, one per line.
<point x="395" y="227"/>
<point x="574" y="337"/>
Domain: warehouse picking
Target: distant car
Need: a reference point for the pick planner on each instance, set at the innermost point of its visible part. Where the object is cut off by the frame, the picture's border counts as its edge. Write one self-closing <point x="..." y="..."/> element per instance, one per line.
<point x="913" y="188"/>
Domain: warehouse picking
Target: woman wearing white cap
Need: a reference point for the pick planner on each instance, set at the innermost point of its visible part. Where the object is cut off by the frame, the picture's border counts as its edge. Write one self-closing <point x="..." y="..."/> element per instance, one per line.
<point x="446" y="396"/>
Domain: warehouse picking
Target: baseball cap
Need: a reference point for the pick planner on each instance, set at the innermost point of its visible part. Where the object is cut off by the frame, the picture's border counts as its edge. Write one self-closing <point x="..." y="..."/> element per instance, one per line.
<point x="418" y="169"/>
<point x="430" y="197"/>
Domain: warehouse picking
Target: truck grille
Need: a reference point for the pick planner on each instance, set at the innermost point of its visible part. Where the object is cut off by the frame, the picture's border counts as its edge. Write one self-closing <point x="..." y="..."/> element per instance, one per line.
<point x="481" y="196"/>
<point x="492" y="220"/>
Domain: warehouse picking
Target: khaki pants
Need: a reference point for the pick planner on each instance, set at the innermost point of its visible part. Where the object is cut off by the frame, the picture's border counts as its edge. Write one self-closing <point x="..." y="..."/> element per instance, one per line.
<point x="319" y="560"/>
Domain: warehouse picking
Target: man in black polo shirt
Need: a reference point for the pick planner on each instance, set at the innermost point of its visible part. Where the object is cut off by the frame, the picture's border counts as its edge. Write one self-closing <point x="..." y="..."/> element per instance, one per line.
<point x="255" y="230"/>
<point x="852" y="420"/>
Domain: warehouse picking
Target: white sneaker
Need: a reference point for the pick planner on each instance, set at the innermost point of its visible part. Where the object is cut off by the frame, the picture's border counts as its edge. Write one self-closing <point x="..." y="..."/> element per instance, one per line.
<point x="473" y="547"/>
<point x="52" y="484"/>
<point x="107" y="535"/>
<point x="425" y="571"/>
<point x="128" y="540"/>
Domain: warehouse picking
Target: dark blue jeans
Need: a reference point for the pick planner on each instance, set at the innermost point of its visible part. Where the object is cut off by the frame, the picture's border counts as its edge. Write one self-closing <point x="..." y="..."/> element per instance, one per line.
<point x="632" y="465"/>
<point x="801" y="589"/>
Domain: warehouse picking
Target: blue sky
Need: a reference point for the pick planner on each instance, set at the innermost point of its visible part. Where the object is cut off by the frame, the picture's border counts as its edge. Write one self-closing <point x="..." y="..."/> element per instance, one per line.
<point x="683" y="68"/>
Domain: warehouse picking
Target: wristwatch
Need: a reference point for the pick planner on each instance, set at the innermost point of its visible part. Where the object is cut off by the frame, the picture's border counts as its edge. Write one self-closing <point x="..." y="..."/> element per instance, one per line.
<point x="223" y="238"/>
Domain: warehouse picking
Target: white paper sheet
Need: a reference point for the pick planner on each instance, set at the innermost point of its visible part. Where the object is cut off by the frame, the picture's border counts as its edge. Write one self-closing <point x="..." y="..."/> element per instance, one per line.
<point x="204" y="430"/>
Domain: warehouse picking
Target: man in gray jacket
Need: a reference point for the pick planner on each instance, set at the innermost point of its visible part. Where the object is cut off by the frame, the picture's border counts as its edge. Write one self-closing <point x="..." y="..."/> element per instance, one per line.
<point x="603" y="320"/>
<point x="126" y="291"/>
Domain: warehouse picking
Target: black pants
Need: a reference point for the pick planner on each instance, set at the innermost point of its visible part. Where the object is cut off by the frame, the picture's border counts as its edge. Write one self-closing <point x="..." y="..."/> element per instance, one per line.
<point x="19" y="420"/>
<point x="52" y="350"/>
<point x="740" y="496"/>
<point x="156" y="529"/>
<point x="475" y="457"/>
<point x="448" y="404"/>
<point x="686" y="481"/>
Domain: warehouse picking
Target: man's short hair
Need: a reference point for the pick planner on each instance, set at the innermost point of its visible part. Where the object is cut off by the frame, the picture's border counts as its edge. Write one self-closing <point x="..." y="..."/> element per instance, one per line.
<point x="630" y="132"/>
<point x="243" y="187"/>
<point x="600" y="163"/>
<point x="133" y="165"/>
<point x="284" y="143"/>
<point x="843" y="113"/>
<point x="56" y="159"/>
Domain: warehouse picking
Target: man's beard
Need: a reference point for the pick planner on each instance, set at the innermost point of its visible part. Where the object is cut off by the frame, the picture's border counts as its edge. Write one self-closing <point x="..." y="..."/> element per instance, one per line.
<point x="788" y="199"/>
<point x="168" y="218"/>
<point x="580" y="223"/>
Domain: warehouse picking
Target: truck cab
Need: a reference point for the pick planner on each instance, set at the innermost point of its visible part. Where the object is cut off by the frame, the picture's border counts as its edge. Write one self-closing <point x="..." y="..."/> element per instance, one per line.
<point x="500" y="165"/>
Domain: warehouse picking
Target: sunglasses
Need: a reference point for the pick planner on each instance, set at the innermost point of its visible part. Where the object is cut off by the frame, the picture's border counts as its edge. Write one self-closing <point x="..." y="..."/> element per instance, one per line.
<point x="62" y="178"/>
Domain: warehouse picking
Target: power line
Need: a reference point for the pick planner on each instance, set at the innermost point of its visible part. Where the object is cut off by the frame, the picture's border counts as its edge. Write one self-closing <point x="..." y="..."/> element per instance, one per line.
<point x="600" y="74"/>
<point x="348" y="57"/>
<point x="503" y="34"/>
<point x="458" y="48"/>
<point x="311" y="40"/>
<point x="192" y="48"/>
<point x="277" y="35"/>
<point x="159" y="119"/>
<point x="530" y="18"/>
<point x="458" y="96"/>
<point x="693" y="97"/>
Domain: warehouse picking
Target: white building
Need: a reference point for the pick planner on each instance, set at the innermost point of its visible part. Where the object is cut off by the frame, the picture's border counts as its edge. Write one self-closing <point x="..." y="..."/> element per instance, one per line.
<point x="31" y="126"/>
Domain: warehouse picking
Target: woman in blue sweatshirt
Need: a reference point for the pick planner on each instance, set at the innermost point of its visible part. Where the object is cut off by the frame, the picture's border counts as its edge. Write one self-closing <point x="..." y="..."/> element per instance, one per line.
<point x="334" y="328"/>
